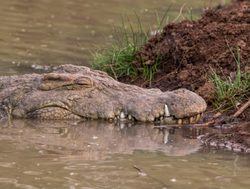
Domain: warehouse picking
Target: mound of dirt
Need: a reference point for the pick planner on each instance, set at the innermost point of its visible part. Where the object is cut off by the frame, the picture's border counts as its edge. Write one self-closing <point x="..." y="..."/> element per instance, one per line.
<point x="187" y="51"/>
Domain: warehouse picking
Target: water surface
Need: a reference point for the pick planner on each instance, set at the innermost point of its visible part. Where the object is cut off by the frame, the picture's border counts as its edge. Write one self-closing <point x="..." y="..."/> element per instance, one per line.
<point x="68" y="155"/>
<point x="52" y="32"/>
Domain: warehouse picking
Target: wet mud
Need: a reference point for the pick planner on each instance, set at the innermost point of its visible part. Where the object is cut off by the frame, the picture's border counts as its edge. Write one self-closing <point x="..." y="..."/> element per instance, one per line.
<point x="235" y="138"/>
<point x="187" y="52"/>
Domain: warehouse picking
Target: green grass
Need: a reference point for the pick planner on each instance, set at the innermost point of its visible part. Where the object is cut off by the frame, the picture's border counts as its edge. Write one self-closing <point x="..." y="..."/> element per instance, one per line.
<point x="150" y="70"/>
<point x="117" y="60"/>
<point x="229" y="92"/>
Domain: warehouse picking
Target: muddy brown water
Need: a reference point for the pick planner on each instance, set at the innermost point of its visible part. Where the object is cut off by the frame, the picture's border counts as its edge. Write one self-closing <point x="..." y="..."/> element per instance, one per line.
<point x="47" y="32"/>
<point x="90" y="155"/>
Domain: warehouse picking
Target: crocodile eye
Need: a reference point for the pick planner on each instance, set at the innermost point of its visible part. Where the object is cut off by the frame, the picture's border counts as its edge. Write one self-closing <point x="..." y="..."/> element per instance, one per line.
<point x="83" y="80"/>
<point x="65" y="81"/>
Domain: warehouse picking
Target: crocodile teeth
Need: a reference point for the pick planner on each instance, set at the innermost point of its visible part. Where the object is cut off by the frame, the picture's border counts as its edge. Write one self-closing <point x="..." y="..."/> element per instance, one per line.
<point x="167" y="113"/>
<point x="169" y="120"/>
<point x="150" y="118"/>
<point x="179" y="121"/>
<point x="185" y="121"/>
<point x="122" y="115"/>
<point x="198" y="116"/>
<point x="129" y="117"/>
<point x="162" y="113"/>
<point x="191" y="120"/>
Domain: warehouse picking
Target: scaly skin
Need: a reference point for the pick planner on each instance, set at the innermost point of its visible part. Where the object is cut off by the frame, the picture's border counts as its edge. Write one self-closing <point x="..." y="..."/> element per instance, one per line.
<point x="75" y="92"/>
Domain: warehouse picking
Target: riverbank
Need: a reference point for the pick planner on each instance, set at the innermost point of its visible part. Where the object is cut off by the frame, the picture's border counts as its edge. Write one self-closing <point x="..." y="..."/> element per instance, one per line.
<point x="189" y="53"/>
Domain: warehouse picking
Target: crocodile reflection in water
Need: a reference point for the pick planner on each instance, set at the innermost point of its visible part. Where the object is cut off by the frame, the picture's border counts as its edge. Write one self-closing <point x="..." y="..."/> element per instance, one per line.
<point x="95" y="139"/>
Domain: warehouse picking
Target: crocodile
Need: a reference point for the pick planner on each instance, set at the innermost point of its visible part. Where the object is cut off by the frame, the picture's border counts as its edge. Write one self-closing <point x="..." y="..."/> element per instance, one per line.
<point x="78" y="92"/>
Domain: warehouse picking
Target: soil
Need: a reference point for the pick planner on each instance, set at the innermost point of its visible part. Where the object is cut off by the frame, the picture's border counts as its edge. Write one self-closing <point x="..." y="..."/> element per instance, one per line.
<point x="186" y="52"/>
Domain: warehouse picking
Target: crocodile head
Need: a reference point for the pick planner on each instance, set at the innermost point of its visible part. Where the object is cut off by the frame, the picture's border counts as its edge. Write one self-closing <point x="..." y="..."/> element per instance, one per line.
<point x="75" y="92"/>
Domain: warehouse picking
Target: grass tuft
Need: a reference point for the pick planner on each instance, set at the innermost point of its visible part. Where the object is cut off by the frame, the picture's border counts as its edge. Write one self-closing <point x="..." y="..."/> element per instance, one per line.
<point x="117" y="60"/>
<point x="230" y="92"/>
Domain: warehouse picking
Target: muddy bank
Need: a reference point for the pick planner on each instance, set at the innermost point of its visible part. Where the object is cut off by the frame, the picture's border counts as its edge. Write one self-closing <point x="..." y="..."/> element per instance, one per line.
<point x="185" y="53"/>
<point x="236" y="138"/>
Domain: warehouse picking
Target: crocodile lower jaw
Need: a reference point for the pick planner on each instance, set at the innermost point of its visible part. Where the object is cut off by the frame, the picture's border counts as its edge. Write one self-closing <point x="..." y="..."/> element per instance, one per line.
<point x="164" y="118"/>
<point x="171" y="120"/>
<point x="182" y="121"/>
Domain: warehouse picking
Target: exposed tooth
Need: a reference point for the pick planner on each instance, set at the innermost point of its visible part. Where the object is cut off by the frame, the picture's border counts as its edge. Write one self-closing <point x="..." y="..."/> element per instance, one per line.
<point x="122" y="115"/>
<point x="179" y="121"/>
<point x="129" y="117"/>
<point x="198" y="116"/>
<point x="162" y="113"/>
<point x="191" y="120"/>
<point x="157" y="115"/>
<point x="151" y="118"/>
<point x="167" y="113"/>
<point x="111" y="115"/>
<point x="185" y="121"/>
<point x="169" y="120"/>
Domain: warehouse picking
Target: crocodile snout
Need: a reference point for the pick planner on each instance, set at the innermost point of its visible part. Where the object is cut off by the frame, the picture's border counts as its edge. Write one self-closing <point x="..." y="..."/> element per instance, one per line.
<point x="183" y="107"/>
<point x="183" y="103"/>
<point x="176" y="107"/>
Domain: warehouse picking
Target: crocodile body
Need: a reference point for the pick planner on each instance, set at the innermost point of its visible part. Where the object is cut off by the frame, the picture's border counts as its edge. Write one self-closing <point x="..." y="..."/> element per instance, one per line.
<point x="76" y="92"/>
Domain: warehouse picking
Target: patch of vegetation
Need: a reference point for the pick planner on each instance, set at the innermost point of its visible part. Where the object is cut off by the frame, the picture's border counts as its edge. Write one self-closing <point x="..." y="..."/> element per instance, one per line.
<point x="229" y="92"/>
<point x="150" y="70"/>
<point x="117" y="60"/>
